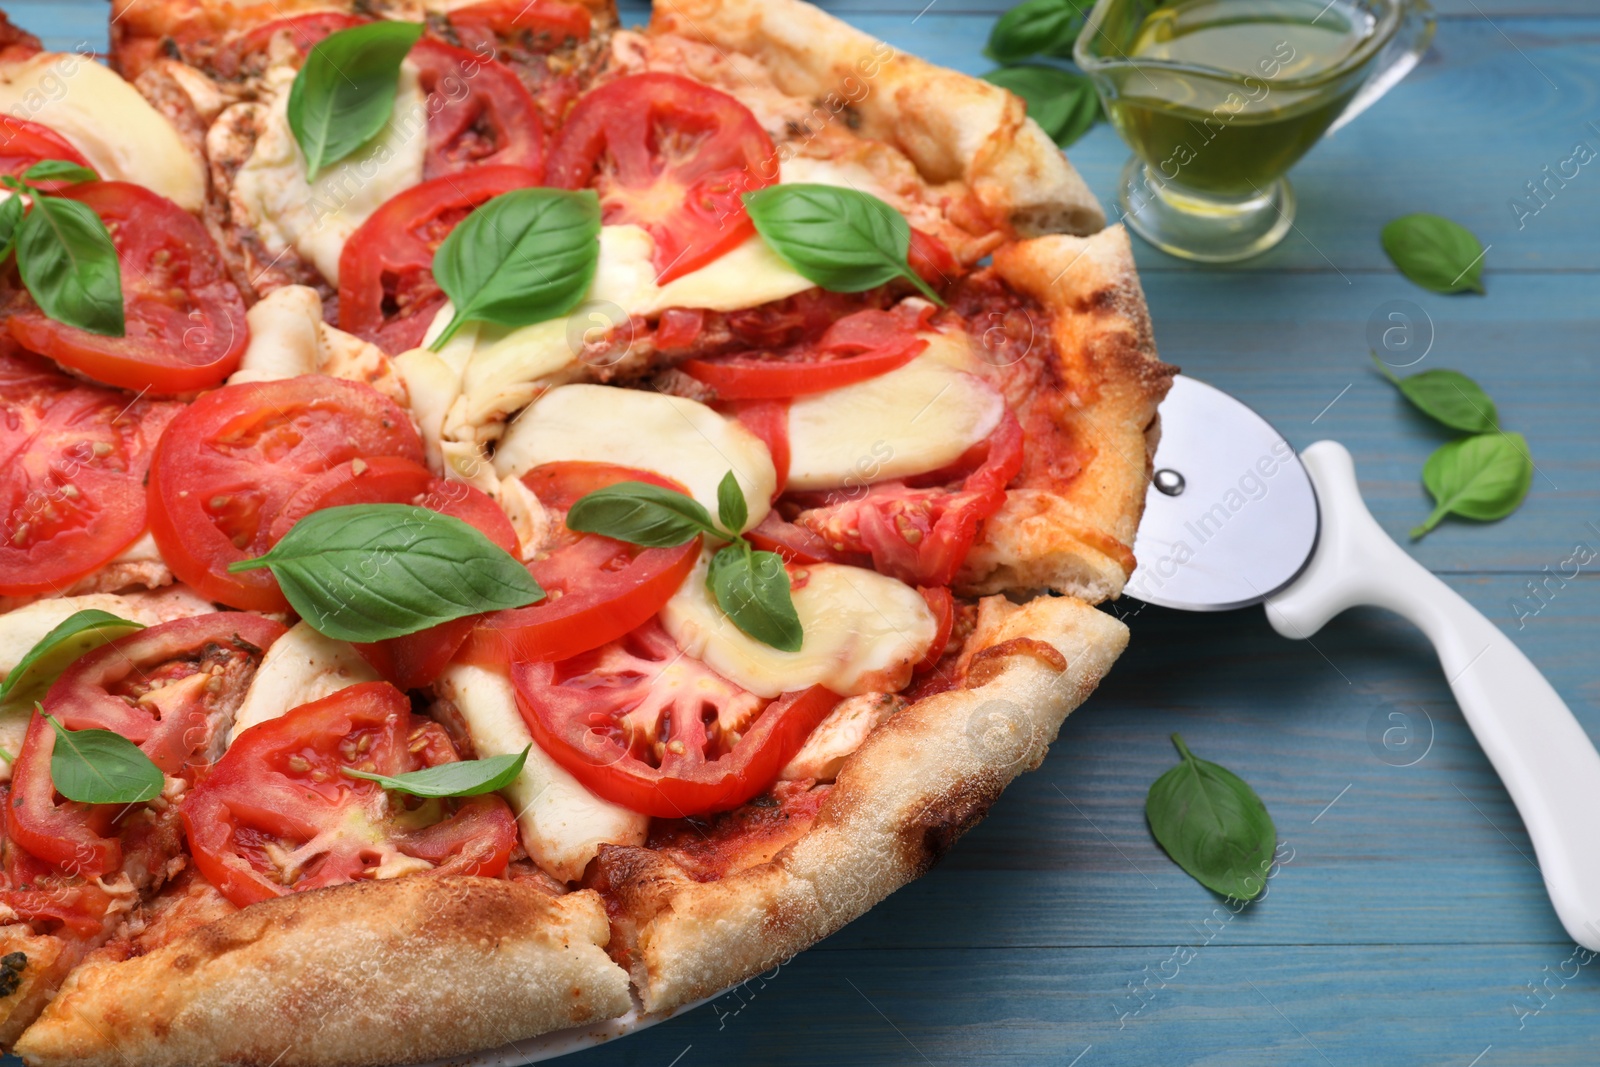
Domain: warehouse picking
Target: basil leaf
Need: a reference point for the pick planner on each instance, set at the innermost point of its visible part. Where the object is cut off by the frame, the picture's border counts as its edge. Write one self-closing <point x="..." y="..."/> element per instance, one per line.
<point x="1484" y="477"/>
<point x="1447" y="396"/>
<point x="10" y="219"/>
<point x="732" y="510"/>
<point x="752" y="588"/>
<point x="59" y="170"/>
<point x="524" y="257"/>
<point x="1063" y="102"/>
<point x="1033" y="28"/>
<point x="1213" y="825"/>
<point x="1435" y="253"/>
<point x="369" y="572"/>
<point x="467" y="778"/>
<point x="70" y="266"/>
<point x="345" y="91"/>
<point x="641" y="514"/>
<point x="100" y="767"/>
<point x="842" y="239"/>
<point x="77" y="634"/>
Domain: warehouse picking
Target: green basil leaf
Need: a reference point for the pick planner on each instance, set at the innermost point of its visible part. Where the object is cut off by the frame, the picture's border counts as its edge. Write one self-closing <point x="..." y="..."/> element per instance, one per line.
<point x="467" y="778"/>
<point x="752" y="588"/>
<point x="1484" y="477"/>
<point x="1213" y="825"/>
<point x="1035" y="28"/>
<point x="11" y="209"/>
<point x="1447" y="396"/>
<point x="842" y="239"/>
<point x="59" y="170"/>
<point x="369" y="572"/>
<point x="70" y="266"/>
<point x="1063" y="102"/>
<point x="77" y="634"/>
<point x="1436" y="253"/>
<point x="345" y="91"/>
<point x="641" y="514"/>
<point x="100" y="767"/>
<point x="732" y="510"/>
<point x="524" y="257"/>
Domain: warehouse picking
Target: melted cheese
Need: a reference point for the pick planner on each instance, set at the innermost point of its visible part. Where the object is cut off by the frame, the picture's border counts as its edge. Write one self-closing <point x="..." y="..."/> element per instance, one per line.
<point x="301" y="666"/>
<point x="563" y="824"/>
<point x="288" y="338"/>
<point x="675" y="437"/>
<point x="106" y="119"/>
<point x="864" y="631"/>
<point x="316" y="218"/>
<point x="844" y="730"/>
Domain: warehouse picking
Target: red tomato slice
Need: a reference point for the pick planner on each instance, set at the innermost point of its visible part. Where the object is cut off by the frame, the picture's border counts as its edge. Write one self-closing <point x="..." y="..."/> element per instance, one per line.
<point x="921" y="533"/>
<point x="165" y="690"/>
<point x="668" y="743"/>
<point x="671" y="155"/>
<point x="768" y="420"/>
<point x="73" y="459"/>
<point x="276" y="815"/>
<point x="24" y="143"/>
<point x="387" y="293"/>
<point x="596" y="589"/>
<point x="549" y="21"/>
<point x="185" y="319"/>
<point x="230" y="462"/>
<point x="304" y="30"/>
<point x="50" y="897"/>
<point x="479" y="112"/>
<point x="855" y="348"/>
<point x="943" y="605"/>
<point x="475" y="508"/>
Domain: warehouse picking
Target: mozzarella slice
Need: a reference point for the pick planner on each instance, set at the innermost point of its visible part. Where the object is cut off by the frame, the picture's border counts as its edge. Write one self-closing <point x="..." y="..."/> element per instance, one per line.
<point x="106" y="119"/>
<point x="316" y="218"/>
<point x="863" y="630"/>
<point x="675" y="437"/>
<point x="288" y="338"/>
<point x="563" y="824"/>
<point x="915" y="419"/>
<point x="301" y="666"/>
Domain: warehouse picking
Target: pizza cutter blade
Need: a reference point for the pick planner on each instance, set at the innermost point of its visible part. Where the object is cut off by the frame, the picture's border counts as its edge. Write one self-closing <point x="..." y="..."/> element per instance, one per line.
<point x="1234" y="517"/>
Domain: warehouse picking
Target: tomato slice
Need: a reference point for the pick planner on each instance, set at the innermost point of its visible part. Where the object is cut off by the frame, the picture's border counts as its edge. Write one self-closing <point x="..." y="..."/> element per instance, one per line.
<point x="49" y="897"/>
<point x="24" y="143"/>
<point x="304" y="30"/>
<point x="768" y="420"/>
<point x="185" y="319"/>
<point x="231" y="460"/>
<point x="596" y="589"/>
<point x="387" y="293"/>
<point x="479" y="112"/>
<point x="73" y="459"/>
<point x="943" y="604"/>
<point x="164" y="689"/>
<point x="646" y="727"/>
<point x="276" y="815"/>
<point x="671" y="155"/>
<point x="548" y="21"/>
<point x="855" y="348"/>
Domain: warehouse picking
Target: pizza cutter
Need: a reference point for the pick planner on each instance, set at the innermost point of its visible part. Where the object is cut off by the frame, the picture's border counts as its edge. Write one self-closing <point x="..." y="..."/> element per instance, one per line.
<point x="1234" y="517"/>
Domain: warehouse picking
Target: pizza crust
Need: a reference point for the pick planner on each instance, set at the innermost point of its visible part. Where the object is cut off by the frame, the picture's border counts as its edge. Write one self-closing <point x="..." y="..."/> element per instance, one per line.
<point x="361" y="974"/>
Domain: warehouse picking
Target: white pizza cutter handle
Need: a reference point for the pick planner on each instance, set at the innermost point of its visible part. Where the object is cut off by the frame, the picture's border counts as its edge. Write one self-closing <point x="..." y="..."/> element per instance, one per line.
<point x="1547" y="762"/>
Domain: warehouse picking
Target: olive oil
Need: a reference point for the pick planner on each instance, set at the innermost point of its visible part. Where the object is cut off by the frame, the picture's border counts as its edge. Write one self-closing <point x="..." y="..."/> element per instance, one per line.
<point x="1239" y="90"/>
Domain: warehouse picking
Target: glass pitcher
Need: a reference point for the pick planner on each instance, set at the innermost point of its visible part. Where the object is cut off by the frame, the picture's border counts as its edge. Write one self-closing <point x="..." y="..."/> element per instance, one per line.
<point x="1219" y="98"/>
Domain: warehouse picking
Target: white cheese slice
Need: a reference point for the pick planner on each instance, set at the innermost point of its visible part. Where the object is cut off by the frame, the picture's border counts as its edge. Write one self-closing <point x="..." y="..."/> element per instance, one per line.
<point x="106" y="119"/>
<point x="301" y="666"/>
<point x="915" y="419"/>
<point x="288" y="338"/>
<point x="563" y="824"/>
<point x="864" y="631"/>
<point x="675" y="437"/>
<point x="316" y="218"/>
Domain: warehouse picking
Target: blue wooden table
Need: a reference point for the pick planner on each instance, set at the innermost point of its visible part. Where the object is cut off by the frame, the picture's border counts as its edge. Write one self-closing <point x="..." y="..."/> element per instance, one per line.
<point x="1407" y="923"/>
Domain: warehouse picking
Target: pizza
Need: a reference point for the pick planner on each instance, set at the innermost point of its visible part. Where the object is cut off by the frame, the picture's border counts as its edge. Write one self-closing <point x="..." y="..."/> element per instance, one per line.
<point x="550" y="553"/>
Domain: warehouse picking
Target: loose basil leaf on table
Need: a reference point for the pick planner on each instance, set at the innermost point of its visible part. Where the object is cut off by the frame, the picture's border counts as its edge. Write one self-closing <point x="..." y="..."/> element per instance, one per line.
<point x="370" y="572"/>
<point x="1435" y="252"/>
<point x="1447" y="396"/>
<point x="1063" y="102"/>
<point x="639" y="513"/>
<point x="1036" y="28"/>
<point x="752" y="589"/>
<point x="1484" y="477"/>
<point x="1213" y="825"/>
<point x="77" y="634"/>
<point x="68" y="263"/>
<point x="524" y="257"/>
<point x="101" y="767"/>
<point x="344" y="93"/>
<point x="844" y="240"/>
<point x="732" y="511"/>
<point x="466" y="778"/>
<point x="59" y="170"/>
